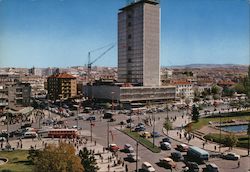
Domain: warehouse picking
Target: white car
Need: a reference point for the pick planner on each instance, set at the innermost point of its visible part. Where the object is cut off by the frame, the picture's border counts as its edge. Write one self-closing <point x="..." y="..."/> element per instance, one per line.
<point x="146" y="166"/>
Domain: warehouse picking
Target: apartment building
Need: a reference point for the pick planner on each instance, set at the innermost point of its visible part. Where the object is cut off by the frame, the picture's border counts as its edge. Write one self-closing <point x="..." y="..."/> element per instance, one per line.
<point x="61" y="86"/>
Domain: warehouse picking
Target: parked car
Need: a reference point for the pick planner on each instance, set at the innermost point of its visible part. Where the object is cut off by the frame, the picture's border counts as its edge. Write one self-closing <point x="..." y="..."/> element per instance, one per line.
<point x="165" y="146"/>
<point x="146" y="134"/>
<point x="113" y="148"/>
<point x="132" y="157"/>
<point x="182" y="147"/>
<point x="112" y="120"/>
<point x="211" y="167"/>
<point x="167" y="163"/>
<point x="177" y="156"/>
<point x="128" y="148"/>
<point x="166" y="139"/>
<point x="2" y="139"/>
<point x="146" y="166"/>
<point x="231" y="156"/>
<point x="155" y="134"/>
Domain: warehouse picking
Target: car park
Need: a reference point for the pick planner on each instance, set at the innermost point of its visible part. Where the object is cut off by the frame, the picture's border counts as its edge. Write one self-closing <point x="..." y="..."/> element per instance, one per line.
<point x="177" y="156"/>
<point x="165" y="146"/>
<point x="231" y="156"/>
<point x="147" y="167"/>
<point x="167" y="163"/>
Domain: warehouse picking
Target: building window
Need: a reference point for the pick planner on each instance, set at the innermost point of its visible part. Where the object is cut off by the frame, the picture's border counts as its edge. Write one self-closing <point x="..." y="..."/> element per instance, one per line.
<point x="129" y="24"/>
<point x="129" y="36"/>
<point x="129" y="48"/>
<point x="129" y="60"/>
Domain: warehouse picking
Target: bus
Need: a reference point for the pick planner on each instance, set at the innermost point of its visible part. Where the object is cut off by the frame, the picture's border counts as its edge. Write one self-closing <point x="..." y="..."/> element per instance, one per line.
<point x="197" y="154"/>
<point x="63" y="133"/>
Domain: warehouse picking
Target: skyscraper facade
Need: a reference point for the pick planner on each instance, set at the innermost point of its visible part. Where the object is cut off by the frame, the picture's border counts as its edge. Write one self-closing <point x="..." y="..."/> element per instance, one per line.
<point x="139" y="43"/>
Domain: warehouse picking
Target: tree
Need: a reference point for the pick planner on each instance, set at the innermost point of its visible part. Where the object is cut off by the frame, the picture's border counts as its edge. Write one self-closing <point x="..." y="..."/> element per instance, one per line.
<point x="32" y="155"/>
<point x="61" y="158"/>
<point x="168" y="124"/>
<point x="239" y="88"/>
<point x="231" y="141"/>
<point x="195" y="113"/>
<point x="88" y="160"/>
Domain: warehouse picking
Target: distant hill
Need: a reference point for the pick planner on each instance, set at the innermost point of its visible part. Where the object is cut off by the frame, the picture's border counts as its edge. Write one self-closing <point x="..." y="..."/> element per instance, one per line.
<point x="208" y="66"/>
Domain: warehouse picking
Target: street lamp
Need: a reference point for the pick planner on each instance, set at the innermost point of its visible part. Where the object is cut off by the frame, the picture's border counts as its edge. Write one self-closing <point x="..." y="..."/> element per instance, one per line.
<point x="137" y="144"/>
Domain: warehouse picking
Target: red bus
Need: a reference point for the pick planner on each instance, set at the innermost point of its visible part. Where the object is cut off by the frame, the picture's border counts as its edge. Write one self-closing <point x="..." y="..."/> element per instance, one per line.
<point x="63" y="133"/>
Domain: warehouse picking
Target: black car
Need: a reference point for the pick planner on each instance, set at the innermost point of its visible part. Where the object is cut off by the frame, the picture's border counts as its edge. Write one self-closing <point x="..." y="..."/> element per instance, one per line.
<point x="177" y="156"/>
<point x="107" y="115"/>
<point x="90" y="118"/>
<point x="193" y="166"/>
<point x="166" y="139"/>
<point x="26" y="125"/>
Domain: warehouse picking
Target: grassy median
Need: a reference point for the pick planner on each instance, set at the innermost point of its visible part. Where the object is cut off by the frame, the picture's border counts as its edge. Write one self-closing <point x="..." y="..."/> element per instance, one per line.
<point x="17" y="161"/>
<point x="141" y="140"/>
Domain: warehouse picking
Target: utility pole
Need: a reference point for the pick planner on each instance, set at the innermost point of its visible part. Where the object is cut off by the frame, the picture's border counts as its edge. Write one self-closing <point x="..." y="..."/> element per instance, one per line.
<point x="154" y="130"/>
<point x="220" y="135"/>
<point x="137" y="144"/>
<point x="107" y="134"/>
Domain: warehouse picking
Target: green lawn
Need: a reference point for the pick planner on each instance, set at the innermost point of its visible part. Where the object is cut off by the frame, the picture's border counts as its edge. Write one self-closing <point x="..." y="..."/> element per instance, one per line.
<point x="18" y="161"/>
<point x="242" y="140"/>
<point x="142" y="141"/>
<point x="204" y="121"/>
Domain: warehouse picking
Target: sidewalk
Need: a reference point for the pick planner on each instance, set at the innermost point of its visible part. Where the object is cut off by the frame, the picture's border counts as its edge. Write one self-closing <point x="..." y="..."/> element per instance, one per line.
<point x="209" y="146"/>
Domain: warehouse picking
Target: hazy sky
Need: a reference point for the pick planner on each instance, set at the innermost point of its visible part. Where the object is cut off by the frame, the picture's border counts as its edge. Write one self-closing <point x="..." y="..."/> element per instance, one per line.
<point x="60" y="33"/>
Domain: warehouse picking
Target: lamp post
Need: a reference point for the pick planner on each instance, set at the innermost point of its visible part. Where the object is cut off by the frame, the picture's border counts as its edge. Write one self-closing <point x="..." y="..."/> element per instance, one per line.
<point x="220" y="135"/>
<point x="107" y="134"/>
<point x="137" y="144"/>
<point x="153" y="130"/>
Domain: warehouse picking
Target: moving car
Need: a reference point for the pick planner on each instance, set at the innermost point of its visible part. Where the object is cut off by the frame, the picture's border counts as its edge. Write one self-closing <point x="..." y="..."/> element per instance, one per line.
<point x="90" y="118"/>
<point x="155" y="134"/>
<point x="108" y="115"/>
<point x="165" y="146"/>
<point x="231" y="156"/>
<point x="146" y="166"/>
<point x="166" y="139"/>
<point x="167" y="163"/>
<point x="132" y="157"/>
<point x="182" y="147"/>
<point x="177" y="156"/>
<point x="211" y="167"/>
<point x="193" y="166"/>
<point x="139" y="128"/>
<point x="113" y="147"/>
<point x="128" y="148"/>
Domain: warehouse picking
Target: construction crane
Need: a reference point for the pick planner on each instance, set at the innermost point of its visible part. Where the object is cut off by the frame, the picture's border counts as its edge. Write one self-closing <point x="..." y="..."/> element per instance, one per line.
<point x="108" y="48"/>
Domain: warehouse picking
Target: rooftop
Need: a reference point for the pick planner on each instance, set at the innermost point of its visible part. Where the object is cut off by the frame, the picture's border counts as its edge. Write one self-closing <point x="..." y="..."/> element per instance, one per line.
<point x="62" y="76"/>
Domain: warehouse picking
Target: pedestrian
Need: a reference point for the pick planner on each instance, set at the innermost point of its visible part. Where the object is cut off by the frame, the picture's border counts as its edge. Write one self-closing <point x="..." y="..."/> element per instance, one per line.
<point x="95" y="142"/>
<point x="126" y="167"/>
<point x="238" y="164"/>
<point x="203" y="144"/>
<point x="215" y="147"/>
<point x="108" y="167"/>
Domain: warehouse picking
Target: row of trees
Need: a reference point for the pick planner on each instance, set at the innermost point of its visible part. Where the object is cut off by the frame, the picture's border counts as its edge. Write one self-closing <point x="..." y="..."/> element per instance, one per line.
<point x="62" y="158"/>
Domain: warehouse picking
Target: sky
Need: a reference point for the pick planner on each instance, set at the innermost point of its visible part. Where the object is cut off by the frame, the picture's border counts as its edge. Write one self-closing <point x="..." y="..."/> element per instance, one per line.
<point x="60" y="33"/>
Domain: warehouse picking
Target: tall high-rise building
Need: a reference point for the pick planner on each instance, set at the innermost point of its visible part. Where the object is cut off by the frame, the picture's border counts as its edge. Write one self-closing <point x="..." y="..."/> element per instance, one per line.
<point x="139" y="43"/>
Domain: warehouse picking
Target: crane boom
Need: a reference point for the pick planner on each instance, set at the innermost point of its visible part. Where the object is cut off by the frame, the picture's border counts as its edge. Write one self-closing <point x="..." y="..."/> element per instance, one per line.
<point x="100" y="56"/>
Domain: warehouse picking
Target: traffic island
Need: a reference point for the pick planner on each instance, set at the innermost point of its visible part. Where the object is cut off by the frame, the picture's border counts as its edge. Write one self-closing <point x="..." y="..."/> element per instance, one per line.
<point x="143" y="141"/>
